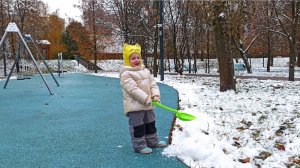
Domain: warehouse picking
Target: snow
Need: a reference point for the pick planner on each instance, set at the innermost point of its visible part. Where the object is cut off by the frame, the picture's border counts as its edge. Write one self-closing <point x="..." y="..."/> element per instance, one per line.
<point x="258" y="124"/>
<point x="44" y="42"/>
<point x="259" y="108"/>
<point x="222" y="15"/>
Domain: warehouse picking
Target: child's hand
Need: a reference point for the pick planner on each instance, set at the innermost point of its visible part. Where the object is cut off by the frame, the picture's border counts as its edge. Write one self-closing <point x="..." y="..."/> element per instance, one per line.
<point x="148" y="101"/>
<point x="156" y="98"/>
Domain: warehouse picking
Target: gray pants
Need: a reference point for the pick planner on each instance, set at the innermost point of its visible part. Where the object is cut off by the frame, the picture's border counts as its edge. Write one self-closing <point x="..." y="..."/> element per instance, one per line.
<point x="142" y="129"/>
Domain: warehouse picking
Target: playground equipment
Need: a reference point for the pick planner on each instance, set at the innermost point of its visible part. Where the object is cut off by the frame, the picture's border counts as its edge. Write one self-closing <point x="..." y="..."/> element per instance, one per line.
<point x="60" y="65"/>
<point x="13" y="28"/>
<point x="24" y="67"/>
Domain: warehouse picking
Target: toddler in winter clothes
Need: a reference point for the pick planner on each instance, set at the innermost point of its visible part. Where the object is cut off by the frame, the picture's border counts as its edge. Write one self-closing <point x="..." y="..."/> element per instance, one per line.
<point x="139" y="89"/>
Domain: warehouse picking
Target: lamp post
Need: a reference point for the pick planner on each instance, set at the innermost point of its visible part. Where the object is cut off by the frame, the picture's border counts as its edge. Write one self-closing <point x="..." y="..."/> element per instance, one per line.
<point x="161" y="40"/>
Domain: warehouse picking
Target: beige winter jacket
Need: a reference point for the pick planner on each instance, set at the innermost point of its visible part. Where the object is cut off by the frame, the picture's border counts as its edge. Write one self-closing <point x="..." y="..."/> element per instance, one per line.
<point x="139" y="87"/>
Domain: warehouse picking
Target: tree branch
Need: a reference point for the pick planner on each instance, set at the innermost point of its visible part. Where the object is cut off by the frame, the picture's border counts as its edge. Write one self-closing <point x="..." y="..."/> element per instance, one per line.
<point x="275" y="31"/>
<point x="285" y="16"/>
<point x="280" y="22"/>
<point x="252" y="41"/>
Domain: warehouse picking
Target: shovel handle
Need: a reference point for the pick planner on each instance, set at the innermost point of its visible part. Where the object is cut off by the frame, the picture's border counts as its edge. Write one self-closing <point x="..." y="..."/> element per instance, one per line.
<point x="157" y="104"/>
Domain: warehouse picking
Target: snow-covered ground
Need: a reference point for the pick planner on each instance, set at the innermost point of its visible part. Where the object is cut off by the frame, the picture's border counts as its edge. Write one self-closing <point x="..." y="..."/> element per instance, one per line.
<point x="279" y="68"/>
<point x="262" y="118"/>
<point x="257" y="126"/>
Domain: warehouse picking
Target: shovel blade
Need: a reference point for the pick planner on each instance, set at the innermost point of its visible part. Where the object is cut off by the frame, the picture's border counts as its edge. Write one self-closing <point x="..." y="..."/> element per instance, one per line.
<point x="180" y="115"/>
<point x="185" y="117"/>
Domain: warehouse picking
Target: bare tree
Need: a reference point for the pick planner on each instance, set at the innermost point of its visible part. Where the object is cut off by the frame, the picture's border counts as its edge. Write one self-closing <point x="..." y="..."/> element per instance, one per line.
<point x="269" y="15"/>
<point x="28" y="16"/>
<point x="95" y="19"/>
<point x="287" y="16"/>
<point x="90" y="10"/>
<point x="173" y="12"/>
<point x="196" y="32"/>
<point x="4" y="15"/>
<point x="208" y="28"/>
<point x="244" y="28"/>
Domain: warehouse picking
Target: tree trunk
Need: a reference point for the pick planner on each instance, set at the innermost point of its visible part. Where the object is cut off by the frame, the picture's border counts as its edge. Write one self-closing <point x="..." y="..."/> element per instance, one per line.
<point x="2" y="32"/>
<point x="207" y="70"/>
<point x="268" y="40"/>
<point x="269" y="51"/>
<point x="292" y="40"/>
<point x="292" y="61"/>
<point x="175" y="55"/>
<point x="195" y="62"/>
<point x="189" y="59"/>
<point x="298" y="62"/>
<point x="227" y="81"/>
<point x="195" y="56"/>
<point x="245" y="59"/>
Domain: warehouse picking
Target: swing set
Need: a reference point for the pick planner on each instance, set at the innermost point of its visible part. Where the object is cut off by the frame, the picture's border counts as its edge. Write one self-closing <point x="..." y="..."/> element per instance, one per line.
<point x="22" y="65"/>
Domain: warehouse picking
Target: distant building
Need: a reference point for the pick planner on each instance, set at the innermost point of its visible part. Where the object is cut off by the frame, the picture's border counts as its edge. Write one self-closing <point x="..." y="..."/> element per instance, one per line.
<point x="45" y="47"/>
<point x="111" y="41"/>
<point x="113" y="44"/>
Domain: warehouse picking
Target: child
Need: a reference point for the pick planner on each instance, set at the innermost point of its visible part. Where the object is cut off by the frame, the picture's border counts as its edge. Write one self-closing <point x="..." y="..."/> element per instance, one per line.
<point x="139" y="89"/>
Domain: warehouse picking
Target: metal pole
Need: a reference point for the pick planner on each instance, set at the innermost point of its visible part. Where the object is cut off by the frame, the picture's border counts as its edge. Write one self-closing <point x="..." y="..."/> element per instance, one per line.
<point x="3" y="38"/>
<point x="61" y="64"/>
<point x="4" y="56"/>
<point x="58" y="64"/>
<point x="41" y="55"/>
<point x="32" y="57"/>
<point x="11" y="71"/>
<point x="161" y="40"/>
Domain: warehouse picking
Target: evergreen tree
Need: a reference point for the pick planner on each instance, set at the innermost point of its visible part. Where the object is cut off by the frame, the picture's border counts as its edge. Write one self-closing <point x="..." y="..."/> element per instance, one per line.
<point x="70" y="44"/>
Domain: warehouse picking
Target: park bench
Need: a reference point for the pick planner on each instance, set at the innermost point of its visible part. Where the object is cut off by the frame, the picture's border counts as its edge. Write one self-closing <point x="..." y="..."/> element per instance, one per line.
<point x="239" y="67"/>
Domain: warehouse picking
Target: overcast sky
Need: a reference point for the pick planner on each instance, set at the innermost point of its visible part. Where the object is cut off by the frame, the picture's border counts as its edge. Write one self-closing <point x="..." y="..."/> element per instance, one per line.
<point x="65" y="7"/>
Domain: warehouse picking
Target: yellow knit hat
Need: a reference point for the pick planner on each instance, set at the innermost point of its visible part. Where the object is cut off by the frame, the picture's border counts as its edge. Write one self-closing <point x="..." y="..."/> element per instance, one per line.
<point x="128" y="50"/>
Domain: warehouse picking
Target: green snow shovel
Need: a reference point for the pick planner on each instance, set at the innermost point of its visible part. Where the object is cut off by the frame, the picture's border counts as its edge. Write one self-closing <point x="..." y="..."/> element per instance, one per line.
<point x="181" y="115"/>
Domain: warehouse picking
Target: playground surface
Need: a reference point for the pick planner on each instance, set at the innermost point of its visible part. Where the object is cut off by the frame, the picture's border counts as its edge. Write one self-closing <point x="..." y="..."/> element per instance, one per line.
<point x="81" y="125"/>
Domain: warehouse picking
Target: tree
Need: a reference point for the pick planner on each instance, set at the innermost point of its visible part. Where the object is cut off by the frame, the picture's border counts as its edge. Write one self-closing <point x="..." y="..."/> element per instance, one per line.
<point x="137" y="23"/>
<point x="79" y="34"/>
<point x="197" y="31"/>
<point x="287" y="16"/>
<point x="207" y="28"/>
<point x="31" y="17"/>
<point x="55" y="30"/>
<point x="4" y="15"/>
<point x="269" y="15"/>
<point x="244" y="28"/>
<point x="173" y="12"/>
<point x="92" y="10"/>
<point x="70" y="44"/>
<point x="4" y="6"/>
<point x="222" y="37"/>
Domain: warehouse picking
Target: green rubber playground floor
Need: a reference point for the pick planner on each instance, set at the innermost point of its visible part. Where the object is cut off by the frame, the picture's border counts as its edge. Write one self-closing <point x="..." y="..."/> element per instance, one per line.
<point x="81" y="125"/>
